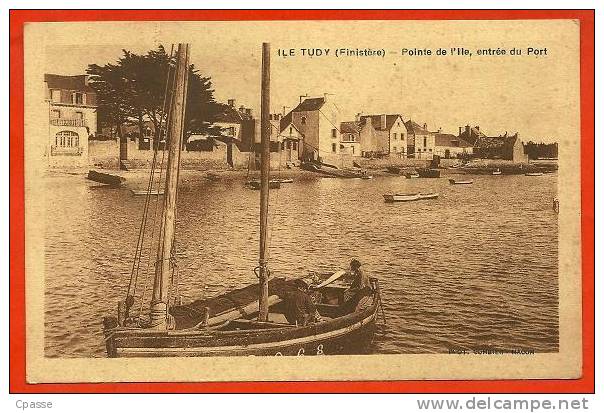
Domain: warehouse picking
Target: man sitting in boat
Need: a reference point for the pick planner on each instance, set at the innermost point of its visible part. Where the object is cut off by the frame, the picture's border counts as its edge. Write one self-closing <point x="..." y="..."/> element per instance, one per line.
<point x="359" y="289"/>
<point x="300" y="308"/>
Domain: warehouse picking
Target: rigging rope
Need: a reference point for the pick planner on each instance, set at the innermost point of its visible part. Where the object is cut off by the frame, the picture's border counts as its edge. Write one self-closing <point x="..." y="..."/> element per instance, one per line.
<point x="158" y="134"/>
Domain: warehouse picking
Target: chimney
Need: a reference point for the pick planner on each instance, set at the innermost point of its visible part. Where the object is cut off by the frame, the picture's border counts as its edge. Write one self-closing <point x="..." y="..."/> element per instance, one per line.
<point x="248" y="112"/>
<point x="478" y="128"/>
<point x="231" y="102"/>
<point x="468" y="131"/>
<point x="425" y="126"/>
<point x="302" y="96"/>
<point x="358" y="117"/>
<point x="459" y="131"/>
<point x="383" y="121"/>
<point x="440" y="130"/>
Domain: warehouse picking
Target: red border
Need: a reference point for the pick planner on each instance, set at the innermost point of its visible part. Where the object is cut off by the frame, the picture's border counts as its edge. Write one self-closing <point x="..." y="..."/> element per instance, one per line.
<point x="17" y="238"/>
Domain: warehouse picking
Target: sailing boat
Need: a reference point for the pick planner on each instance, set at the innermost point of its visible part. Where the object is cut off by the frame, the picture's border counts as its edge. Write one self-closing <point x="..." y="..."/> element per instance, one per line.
<point x="246" y="321"/>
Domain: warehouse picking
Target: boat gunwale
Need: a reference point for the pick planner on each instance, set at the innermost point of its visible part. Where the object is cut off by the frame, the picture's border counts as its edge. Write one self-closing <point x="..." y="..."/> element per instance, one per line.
<point x="126" y="332"/>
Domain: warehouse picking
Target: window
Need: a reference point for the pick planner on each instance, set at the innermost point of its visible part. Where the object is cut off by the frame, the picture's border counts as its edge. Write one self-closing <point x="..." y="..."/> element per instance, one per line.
<point x="282" y="145"/>
<point x="55" y="95"/>
<point x="231" y="131"/>
<point x="67" y="139"/>
<point x="353" y="150"/>
<point x="55" y="114"/>
<point x="79" y="115"/>
<point x="78" y="98"/>
<point x="295" y="146"/>
<point x="288" y="145"/>
<point x="394" y="135"/>
<point x="334" y="148"/>
<point x="351" y="136"/>
<point x="394" y="149"/>
<point x="303" y="120"/>
<point x="425" y="141"/>
<point x="333" y="133"/>
<point x="291" y="131"/>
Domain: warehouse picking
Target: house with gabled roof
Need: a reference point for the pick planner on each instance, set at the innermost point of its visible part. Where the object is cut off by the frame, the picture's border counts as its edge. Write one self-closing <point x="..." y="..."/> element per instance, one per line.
<point x="317" y="119"/>
<point x="350" y="139"/>
<point x="383" y="134"/>
<point x="447" y="145"/>
<point x="504" y="147"/>
<point x="421" y="141"/>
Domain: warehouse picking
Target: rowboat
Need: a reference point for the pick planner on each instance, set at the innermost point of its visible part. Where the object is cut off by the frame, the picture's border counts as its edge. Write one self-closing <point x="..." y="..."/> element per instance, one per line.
<point x="107" y="179"/>
<point x="533" y="173"/>
<point x="411" y="175"/>
<point x="142" y="192"/>
<point x="251" y="320"/>
<point x="256" y="184"/>
<point x="496" y="172"/>
<point x="428" y="173"/>
<point x="409" y="197"/>
<point x="461" y="181"/>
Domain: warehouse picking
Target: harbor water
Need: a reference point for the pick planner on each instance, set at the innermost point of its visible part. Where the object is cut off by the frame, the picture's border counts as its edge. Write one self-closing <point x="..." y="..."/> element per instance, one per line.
<point x="475" y="268"/>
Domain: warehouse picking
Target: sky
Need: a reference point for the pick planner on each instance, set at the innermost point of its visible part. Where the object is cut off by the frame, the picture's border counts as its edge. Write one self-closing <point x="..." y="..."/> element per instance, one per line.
<point x="532" y="95"/>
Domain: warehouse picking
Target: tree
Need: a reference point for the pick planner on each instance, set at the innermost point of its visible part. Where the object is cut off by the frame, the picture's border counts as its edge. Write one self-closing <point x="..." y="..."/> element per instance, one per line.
<point x="138" y="88"/>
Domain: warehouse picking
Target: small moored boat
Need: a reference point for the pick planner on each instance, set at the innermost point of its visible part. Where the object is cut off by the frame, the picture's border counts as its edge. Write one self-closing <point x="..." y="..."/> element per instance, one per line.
<point x="107" y="179"/>
<point x="461" y="181"/>
<point x="533" y="174"/>
<point x="142" y="192"/>
<point x="409" y="197"/>
<point x="255" y="184"/>
<point x="496" y="172"/>
<point x="411" y="175"/>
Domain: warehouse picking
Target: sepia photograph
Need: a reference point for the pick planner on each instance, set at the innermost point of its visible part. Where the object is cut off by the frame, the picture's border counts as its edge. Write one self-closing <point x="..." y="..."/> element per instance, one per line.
<point x="397" y="199"/>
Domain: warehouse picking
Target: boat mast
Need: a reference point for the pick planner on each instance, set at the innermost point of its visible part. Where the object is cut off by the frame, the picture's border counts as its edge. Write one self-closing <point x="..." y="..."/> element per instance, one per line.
<point x="163" y="264"/>
<point x="264" y="179"/>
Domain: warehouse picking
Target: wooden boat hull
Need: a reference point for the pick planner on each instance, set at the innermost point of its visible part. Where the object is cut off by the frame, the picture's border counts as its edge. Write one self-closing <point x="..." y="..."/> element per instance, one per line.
<point x="142" y="192"/>
<point x="456" y="182"/>
<point x="534" y="174"/>
<point x="350" y="334"/>
<point x="408" y="197"/>
<point x="107" y="179"/>
<point x="401" y="197"/>
<point x="273" y="184"/>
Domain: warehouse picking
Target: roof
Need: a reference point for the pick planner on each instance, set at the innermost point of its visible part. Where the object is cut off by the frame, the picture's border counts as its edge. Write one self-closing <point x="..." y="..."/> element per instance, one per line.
<point x="77" y="82"/>
<point x="413" y="127"/>
<point x="446" y="139"/>
<point x="475" y="133"/>
<point x="491" y="142"/>
<point x="376" y="121"/>
<point x="229" y="114"/>
<point x="350" y="127"/>
<point x="307" y="105"/>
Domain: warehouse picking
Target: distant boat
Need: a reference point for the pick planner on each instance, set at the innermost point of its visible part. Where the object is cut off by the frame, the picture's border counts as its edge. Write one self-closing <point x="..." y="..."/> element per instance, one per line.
<point x="139" y="192"/>
<point x="533" y="173"/>
<point x="411" y="175"/>
<point x="409" y="197"/>
<point x="255" y="184"/>
<point x="461" y="181"/>
<point x="428" y="173"/>
<point x="366" y="177"/>
<point x="284" y="180"/>
<point x="107" y="179"/>
<point x="496" y="172"/>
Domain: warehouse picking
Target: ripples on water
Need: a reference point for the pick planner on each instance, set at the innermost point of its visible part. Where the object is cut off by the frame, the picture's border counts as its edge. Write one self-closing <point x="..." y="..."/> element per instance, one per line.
<point x="475" y="268"/>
